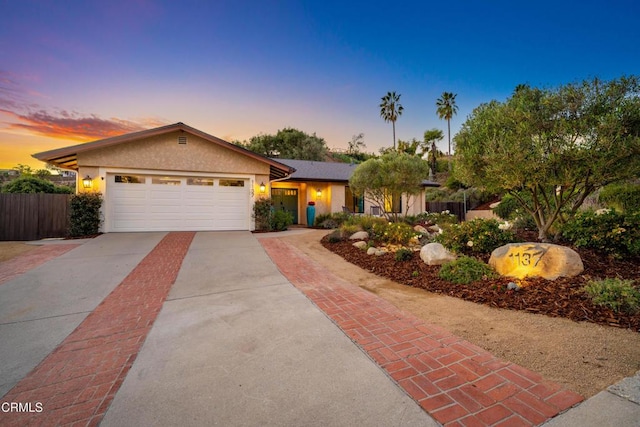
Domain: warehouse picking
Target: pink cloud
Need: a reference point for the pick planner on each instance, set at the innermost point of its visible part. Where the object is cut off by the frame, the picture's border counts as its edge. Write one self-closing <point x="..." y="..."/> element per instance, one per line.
<point x="66" y="125"/>
<point x="63" y="124"/>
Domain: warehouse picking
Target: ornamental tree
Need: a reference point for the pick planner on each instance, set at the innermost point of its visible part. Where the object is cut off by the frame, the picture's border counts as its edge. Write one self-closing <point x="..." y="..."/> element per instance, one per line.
<point x="551" y="148"/>
<point x="387" y="177"/>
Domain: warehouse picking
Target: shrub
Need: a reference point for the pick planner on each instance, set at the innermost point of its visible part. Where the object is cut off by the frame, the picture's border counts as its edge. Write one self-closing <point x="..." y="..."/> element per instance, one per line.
<point x="624" y="197"/>
<point x="85" y="214"/>
<point x="480" y="236"/>
<point x="268" y="219"/>
<point x="333" y="220"/>
<point x="403" y="254"/>
<point x="262" y="214"/>
<point x="335" y="236"/>
<point x="395" y="233"/>
<point x="618" y="295"/>
<point x="280" y="220"/>
<point x="605" y="231"/>
<point x="32" y="184"/>
<point x="321" y="218"/>
<point x="465" y="270"/>
<point x="365" y="222"/>
<point x="348" y="229"/>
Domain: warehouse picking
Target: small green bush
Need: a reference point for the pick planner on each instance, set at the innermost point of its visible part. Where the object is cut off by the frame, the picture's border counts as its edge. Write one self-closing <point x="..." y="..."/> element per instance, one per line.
<point x="480" y="236"/>
<point x="403" y="254"/>
<point x="334" y="220"/>
<point x="281" y="220"/>
<point x="624" y="197"/>
<point x="605" y="231"/>
<point x="348" y="229"/>
<point x="85" y="217"/>
<point x="262" y="214"/>
<point x="335" y="236"/>
<point x="618" y="295"/>
<point x="395" y="233"/>
<point x="431" y="218"/>
<point x="365" y="222"/>
<point x="465" y="270"/>
<point x="269" y="219"/>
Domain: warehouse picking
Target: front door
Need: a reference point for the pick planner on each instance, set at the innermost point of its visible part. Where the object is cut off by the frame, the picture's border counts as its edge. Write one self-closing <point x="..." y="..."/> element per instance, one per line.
<point x="286" y="199"/>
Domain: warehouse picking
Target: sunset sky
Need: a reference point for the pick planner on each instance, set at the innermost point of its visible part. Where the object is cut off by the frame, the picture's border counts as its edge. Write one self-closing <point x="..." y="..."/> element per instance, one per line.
<point x="74" y="71"/>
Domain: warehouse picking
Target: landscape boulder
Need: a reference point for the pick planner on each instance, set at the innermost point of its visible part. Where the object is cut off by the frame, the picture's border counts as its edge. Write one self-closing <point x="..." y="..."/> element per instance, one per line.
<point x="371" y="251"/>
<point x="435" y="254"/>
<point x="360" y="245"/>
<point x="420" y="229"/>
<point x="531" y="259"/>
<point x="359" y="235"/>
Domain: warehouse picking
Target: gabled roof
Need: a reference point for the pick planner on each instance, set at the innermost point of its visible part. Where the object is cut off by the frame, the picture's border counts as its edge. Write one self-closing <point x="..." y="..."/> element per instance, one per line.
<point x="306" y="170"/>
<point x="67" y="157"/>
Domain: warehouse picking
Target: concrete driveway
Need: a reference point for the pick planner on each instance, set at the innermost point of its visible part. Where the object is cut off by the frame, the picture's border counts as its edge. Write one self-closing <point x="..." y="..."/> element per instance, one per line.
<point x="234" y="343"/>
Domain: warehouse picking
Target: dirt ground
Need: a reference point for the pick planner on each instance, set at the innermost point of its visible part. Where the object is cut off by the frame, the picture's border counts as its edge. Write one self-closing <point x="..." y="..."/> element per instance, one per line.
<point x="583" y="357"/>
<point x="9" y="250"/>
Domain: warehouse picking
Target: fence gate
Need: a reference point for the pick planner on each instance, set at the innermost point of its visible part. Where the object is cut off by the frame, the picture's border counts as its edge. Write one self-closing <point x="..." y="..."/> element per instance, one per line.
<point x="33" y="216"/>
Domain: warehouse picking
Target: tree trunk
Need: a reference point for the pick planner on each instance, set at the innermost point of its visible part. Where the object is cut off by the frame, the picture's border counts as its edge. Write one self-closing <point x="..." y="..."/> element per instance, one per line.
<point x="394" y="134"/>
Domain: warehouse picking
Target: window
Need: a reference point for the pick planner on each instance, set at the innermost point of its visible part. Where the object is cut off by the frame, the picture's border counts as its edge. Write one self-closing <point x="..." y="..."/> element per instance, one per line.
<point x="130" y="179"/>
<point x="353" y="202"/>
<point x="165" y="180"/>
<point x="393" y="203"/>
<point x="200" y="181"/>
<point x="231" y="183"/>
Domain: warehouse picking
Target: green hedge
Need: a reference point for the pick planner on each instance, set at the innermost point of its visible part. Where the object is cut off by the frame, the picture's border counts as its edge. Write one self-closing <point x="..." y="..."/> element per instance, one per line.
<point x="85" y="217"/>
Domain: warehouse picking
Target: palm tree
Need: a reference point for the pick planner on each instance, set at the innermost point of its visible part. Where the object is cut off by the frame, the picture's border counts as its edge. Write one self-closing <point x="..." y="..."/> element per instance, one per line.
<point x="390" y="109"/>
<point x="447" y="108"/>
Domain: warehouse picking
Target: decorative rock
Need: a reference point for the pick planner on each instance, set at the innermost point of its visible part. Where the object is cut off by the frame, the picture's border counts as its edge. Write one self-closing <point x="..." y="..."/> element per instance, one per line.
<point x="380" y="252"/>
<point x="360" y="244"/>
<point x="536" y="260"/>
<point x="435" y="254"/>
<point x="435" y="229"/>
<point x="359" y="235"/>
<point x="420" y="229"/>
<point x="371" y="251"/>
<point x="512" y="286"/>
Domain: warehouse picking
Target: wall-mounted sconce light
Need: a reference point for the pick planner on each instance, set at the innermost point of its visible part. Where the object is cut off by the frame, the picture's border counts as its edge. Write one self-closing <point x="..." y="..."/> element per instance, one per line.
<point x="319" y="192"/>
<point x="87" y="182"/>
<point x="263" y="187"/>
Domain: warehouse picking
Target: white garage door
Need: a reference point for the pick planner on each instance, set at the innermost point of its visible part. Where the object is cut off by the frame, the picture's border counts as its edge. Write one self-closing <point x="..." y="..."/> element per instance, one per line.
<point x="169" y="203"/>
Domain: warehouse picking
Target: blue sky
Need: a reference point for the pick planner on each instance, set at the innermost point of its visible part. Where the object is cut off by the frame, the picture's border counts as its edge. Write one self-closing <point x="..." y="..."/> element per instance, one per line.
<point x="73" y="71"/>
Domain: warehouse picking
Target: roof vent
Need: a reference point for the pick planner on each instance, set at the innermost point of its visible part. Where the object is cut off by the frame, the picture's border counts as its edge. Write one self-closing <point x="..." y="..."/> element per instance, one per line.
<point x="182" y="140"/>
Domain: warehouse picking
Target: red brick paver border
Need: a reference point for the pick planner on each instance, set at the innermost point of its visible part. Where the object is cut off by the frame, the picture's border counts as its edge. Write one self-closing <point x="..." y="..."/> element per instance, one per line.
<point x="32" y="259"/>
<point x="456" y="382"/>
<point x="77" y="382"/>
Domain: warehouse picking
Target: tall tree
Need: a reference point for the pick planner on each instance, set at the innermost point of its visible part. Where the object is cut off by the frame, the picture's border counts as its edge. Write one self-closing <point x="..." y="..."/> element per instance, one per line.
<point x="447" y="108"/>
<point x="551" y="148"/>
<point x="288" y="143"/>
<point x="356" y="143"/>
<point x="390" y="110"/>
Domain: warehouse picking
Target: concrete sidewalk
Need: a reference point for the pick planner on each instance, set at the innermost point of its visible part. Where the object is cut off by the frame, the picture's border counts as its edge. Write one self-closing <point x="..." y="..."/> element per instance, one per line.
<point x="237" y="344"/>
<point x="40" y="308"/>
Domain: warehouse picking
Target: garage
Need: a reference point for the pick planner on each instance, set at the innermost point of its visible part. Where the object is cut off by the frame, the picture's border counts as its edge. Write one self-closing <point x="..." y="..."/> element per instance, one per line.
<point x="170" y="178"/>
<point x="176" y="203"/>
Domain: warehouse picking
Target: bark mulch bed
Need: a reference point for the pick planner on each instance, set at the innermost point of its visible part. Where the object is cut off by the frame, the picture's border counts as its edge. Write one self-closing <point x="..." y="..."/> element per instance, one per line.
<point x="563" y="297"/>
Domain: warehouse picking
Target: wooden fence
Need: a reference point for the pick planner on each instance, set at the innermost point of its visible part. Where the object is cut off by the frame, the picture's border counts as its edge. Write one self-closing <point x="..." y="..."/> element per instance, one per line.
<point x="33" y="216"/>
<point x="456" y="208"/>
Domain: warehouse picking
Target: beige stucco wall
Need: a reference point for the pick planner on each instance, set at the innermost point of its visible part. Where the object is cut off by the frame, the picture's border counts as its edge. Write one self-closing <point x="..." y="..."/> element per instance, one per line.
<point x="164" y="153"/>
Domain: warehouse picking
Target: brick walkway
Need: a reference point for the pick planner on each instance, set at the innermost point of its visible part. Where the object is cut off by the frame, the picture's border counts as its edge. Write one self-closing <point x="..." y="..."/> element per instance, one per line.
<point x="76" y="383"/>
<point x="35" y="257"/>
<point x="456" y="382"/>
